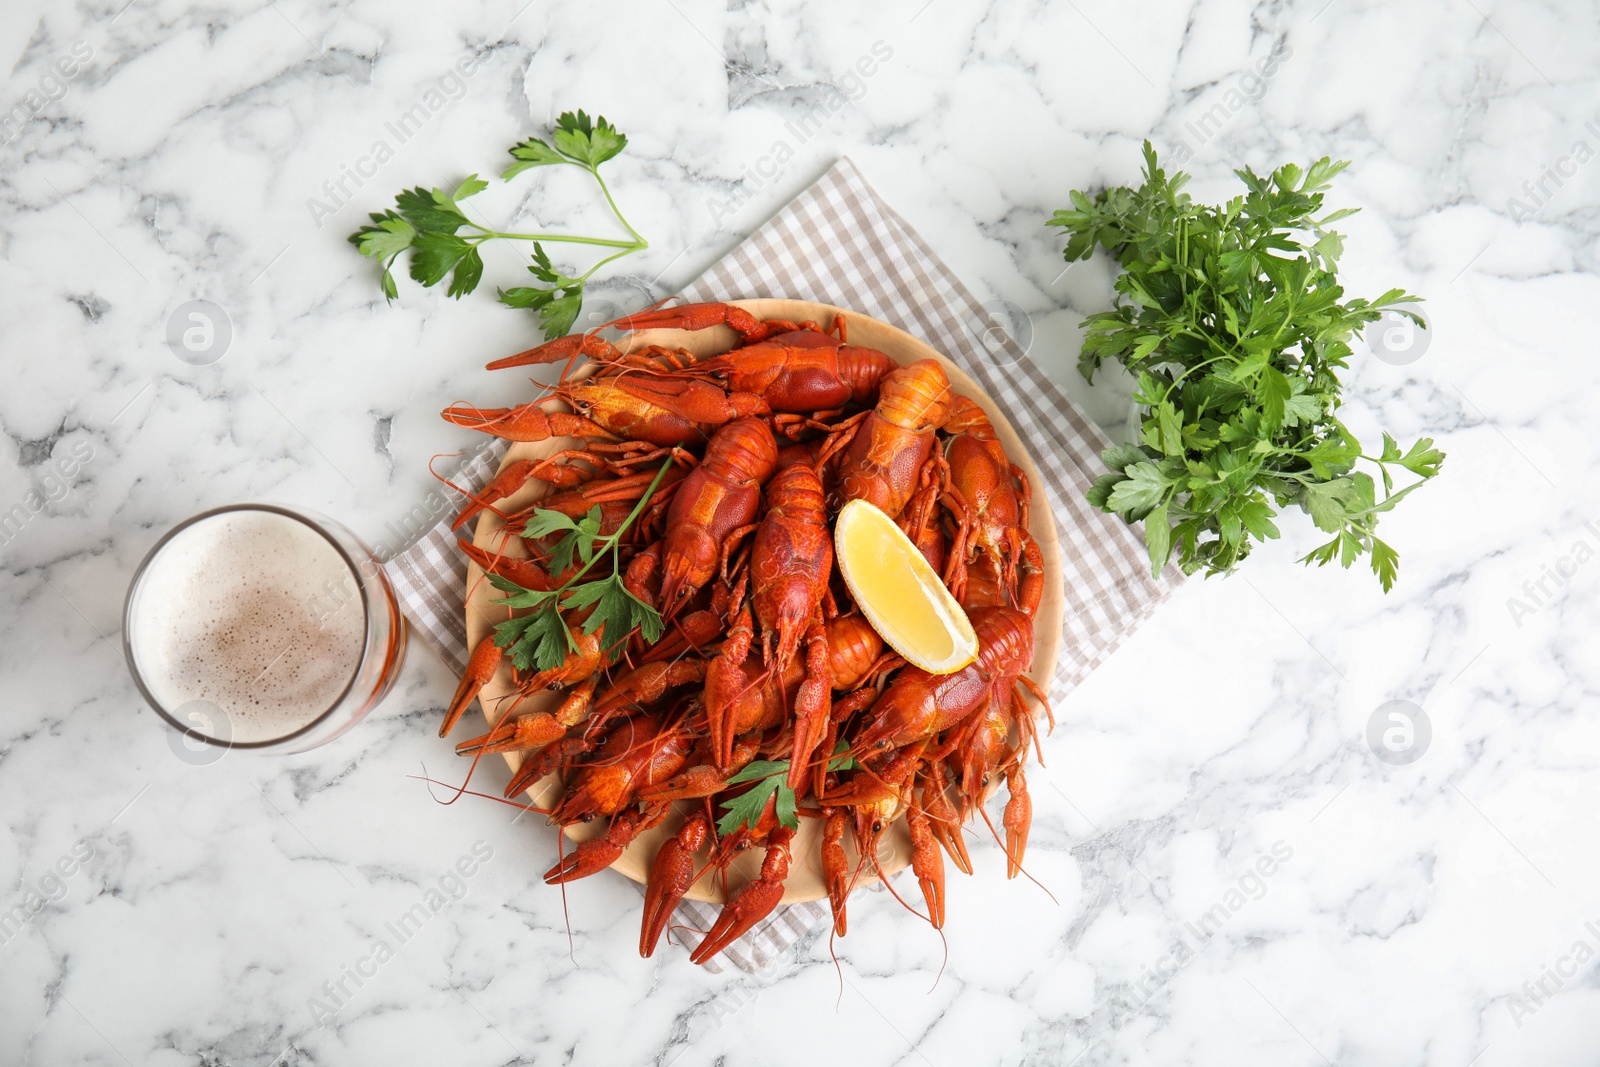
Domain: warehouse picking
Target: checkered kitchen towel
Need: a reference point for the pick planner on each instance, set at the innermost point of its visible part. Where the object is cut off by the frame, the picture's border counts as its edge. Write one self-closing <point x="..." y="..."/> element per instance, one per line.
<point x="838" y="243"/>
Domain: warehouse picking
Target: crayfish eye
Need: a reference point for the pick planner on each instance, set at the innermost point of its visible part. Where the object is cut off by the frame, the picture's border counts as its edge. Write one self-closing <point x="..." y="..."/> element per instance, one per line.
<point x="587" y="818"/>
<point x="877" y="826"/>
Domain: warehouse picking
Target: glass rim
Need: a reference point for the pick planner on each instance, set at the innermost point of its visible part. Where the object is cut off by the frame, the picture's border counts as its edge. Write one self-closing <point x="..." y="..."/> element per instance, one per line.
<point x="304" y="519"/>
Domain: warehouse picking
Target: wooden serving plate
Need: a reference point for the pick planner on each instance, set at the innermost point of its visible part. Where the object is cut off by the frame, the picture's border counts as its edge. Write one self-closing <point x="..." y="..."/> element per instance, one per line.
<point x="805" y="877"/>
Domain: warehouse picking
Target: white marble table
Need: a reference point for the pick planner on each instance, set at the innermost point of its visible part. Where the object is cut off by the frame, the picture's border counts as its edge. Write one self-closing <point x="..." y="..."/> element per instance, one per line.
<point x="1444" y="912"/>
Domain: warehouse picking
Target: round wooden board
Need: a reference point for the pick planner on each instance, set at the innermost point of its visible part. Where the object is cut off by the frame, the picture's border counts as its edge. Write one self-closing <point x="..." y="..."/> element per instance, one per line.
<point x="805" y="877"/>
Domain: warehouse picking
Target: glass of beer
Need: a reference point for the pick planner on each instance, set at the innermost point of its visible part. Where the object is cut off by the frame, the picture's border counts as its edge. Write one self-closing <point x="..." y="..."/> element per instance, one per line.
<point x="261" y="627"/>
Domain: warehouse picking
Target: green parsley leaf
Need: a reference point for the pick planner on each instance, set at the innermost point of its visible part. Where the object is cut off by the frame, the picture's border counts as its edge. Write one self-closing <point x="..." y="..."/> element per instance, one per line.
<point x="588" y="533"/>
<point x="545" y="521"/>
<point x="1158" y="536"/>
<point x="616" y="609"/>
<point x="1385" y="564"/>
<point x="588" y="144"/>
<point x="530" y="153"/>
<point x="1423" y="459"/>
<point x="562" y="551"/>
<point x="383" y="243"/>
<point x="1118" y="457"/>
<point x="756" y="770"/>
<point x="1143" y="487"/>
<point x="557" y="305"/>
<point x="436" y="254"/>
<point x="539" y="641"/>
<point x="745" y="809"/>
<point x="430" y="210"/>
<point x="1326" y="502"/>
<point x="391" y="236"/>
<point x="784" y="809"/>
<point x="467" y="273"/>
<point x="520" y="597"/>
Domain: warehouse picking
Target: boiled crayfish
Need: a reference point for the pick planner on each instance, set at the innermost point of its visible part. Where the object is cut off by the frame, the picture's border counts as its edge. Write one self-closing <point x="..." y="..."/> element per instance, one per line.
<point x="764" y="657"/>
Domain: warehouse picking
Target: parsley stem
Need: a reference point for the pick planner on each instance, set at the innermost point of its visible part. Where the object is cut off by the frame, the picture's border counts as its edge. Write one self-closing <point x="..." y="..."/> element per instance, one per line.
<point x="615" y="255"/>
<point x="637" y="244"/>
<point x="1185" y="374"/>
<point x="604" y="242"/>
<point x="609" y="543"/>
<point x="615" y="210"/>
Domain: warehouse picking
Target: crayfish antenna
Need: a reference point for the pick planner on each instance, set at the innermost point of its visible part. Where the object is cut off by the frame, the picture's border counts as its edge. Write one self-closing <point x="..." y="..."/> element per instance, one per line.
<point x="884" y="878"/>
<point x="473" y="767"/>
<point x="452" y="722"/>
<point x="444" y="455"/>
<point x="566" y="915"/>
<point x="459" y="790"/>
<point x="838" y="1002"/>
<point x="942" y="963"/>
<point x="683" y="926"/>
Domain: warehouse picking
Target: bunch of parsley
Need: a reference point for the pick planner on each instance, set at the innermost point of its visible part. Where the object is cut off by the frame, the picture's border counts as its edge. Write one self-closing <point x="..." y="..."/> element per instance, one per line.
<point x="541" y="639"/>
<point x="429" y="223"/>
<point x="1232" y="321"/>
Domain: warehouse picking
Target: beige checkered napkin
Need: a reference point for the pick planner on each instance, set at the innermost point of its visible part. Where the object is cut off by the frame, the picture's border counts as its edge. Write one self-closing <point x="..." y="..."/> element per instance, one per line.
<point x="838" y="243"/>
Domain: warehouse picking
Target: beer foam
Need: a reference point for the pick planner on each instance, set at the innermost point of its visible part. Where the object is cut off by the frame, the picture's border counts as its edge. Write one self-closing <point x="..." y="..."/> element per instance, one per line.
<point x="255" y="612"/>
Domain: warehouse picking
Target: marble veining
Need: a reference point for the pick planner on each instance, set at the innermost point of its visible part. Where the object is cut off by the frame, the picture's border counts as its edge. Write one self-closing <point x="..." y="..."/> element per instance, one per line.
<point x="1226" y="872"/>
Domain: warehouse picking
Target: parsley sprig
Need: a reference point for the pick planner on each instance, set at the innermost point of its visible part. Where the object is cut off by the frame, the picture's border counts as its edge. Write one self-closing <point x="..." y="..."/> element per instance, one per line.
<point x="442" y="240"/>
<point x="541" y="640"/>
<point x="770" y="776"/>
<point x="1230" y="320"/>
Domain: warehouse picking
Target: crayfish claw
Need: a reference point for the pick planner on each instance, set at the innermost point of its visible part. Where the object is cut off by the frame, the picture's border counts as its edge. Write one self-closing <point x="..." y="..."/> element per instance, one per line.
<point x="597" y="853"/>
<point x="671" y="875"/>
<point x="569" y="347"/>
<point x="1017" y="819"/>
<point x="835" y="869"/>
<point x="927" y="862"/>
<point x="481" y="666"/>
<point x="590" y="857"/>
<point x="751" y="902"/>
<point x="696" y="317"/>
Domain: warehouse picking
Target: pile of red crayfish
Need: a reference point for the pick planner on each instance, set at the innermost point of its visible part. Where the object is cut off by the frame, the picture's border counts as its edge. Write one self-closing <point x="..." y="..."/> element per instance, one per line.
<point x="763" y="656"/>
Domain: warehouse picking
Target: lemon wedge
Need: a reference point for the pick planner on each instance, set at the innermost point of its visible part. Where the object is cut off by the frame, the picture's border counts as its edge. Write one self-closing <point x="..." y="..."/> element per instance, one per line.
<point x="899" y="593"/>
